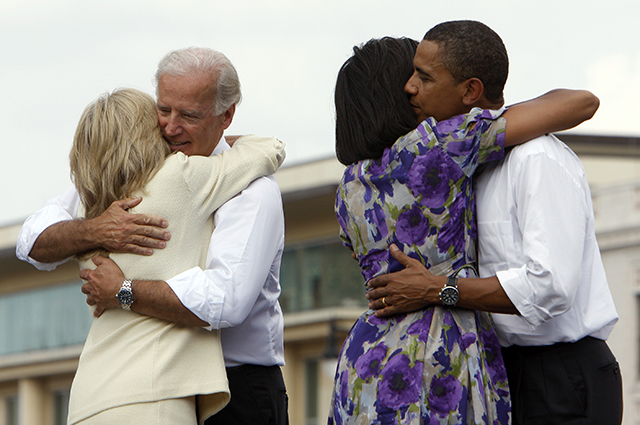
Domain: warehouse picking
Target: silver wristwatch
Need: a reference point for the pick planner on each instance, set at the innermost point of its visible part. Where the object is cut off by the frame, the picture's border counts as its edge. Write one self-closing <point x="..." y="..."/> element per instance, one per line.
<point x="449" y="294"/>
<point x="125" y="294"/>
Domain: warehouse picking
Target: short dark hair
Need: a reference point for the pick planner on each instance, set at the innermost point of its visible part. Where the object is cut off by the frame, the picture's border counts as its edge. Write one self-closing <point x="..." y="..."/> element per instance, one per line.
<point x="372" y="109"/>
<point x="471" y="49"/>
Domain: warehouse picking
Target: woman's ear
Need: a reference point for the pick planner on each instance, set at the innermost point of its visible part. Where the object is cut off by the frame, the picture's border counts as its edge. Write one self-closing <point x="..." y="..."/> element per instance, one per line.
<point x="474" y="92"/>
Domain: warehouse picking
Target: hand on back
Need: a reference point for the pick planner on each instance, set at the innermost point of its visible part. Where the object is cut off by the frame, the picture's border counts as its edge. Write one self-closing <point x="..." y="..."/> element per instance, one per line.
<point x="118" y="230"/>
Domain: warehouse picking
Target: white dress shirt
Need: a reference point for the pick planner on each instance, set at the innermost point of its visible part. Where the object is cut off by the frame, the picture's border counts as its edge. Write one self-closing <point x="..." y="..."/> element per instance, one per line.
<point x="536" y="232"/>
<point x="238" y="292"/>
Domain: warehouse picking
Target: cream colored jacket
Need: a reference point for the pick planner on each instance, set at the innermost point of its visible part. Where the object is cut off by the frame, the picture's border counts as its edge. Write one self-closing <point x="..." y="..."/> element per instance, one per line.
<point x="129" y="358"/>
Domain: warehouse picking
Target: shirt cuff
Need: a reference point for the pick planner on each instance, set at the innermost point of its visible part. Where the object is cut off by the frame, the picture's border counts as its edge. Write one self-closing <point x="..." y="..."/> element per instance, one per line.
<point x="198" y="293"/>
<point x="515" y="284"/>
<point x="31" y="230"/>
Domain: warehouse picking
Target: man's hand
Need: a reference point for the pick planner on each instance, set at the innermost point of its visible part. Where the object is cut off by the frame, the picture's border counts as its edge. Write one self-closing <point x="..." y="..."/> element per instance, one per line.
<point x="407" y="290"/>
<point x="102" y="285"/>
<point x="117" y="230"/>
<point x="151" y="298"/>
<point x="415" y="287"/>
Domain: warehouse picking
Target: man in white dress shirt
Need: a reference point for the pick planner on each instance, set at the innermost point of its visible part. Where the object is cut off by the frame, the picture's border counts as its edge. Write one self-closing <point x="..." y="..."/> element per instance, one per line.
<point x="537" y="235"/>
<point x="539" y="260"/>
<point x="198" y="90"/>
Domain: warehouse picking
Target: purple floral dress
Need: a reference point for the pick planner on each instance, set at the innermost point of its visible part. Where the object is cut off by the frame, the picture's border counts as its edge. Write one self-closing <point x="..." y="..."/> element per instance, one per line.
<point x="438" y="365"/>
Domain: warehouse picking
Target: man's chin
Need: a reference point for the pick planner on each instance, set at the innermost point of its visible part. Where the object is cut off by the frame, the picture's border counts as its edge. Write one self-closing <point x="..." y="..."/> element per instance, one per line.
<point x="419" y="114"/>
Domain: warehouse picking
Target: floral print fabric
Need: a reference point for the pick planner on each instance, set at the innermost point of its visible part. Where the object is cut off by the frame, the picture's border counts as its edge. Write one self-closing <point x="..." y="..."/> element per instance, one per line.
<point x="419" y="195"/>
<point x="433" y="366"/>
<point x="438" y="365"/>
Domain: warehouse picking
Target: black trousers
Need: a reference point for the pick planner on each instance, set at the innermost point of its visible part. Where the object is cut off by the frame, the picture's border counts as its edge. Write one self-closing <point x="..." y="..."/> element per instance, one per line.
<point x="258" y="397"/>
<point x="564" y="384"/>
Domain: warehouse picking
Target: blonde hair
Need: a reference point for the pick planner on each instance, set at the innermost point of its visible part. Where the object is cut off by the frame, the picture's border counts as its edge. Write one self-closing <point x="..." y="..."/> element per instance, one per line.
<point x="117" y="149"/>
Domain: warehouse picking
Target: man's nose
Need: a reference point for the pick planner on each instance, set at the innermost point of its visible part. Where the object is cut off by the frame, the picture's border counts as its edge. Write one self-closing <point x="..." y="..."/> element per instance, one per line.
<point x="172" y="125"/>
<point x="410" y="87"/>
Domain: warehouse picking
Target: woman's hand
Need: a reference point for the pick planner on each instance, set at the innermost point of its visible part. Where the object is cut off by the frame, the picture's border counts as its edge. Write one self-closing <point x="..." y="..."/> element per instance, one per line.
<point x="231" y="139"/>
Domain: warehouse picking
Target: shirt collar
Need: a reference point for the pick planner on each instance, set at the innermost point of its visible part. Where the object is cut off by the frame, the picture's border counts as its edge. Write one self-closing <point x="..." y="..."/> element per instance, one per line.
<point x="221" y="146"/>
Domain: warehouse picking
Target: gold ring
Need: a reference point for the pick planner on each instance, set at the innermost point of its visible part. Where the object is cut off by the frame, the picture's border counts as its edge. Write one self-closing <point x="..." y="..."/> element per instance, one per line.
<point x="384" y="301"/>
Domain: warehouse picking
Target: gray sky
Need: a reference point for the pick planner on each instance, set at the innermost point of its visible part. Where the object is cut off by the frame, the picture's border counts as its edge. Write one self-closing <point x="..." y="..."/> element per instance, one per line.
<point x="58" y="56"/>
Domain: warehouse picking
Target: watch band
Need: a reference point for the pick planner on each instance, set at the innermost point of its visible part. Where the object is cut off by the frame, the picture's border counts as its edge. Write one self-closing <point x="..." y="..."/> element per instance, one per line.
<point x="125" y="294"/>
<point x="452" y="281"/>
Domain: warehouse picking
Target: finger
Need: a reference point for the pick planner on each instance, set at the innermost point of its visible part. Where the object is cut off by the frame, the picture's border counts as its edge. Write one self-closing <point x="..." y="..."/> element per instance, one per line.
<point x="374" y="294"/>
<point x="86" y="289"/>
<point x="135" y="249"/>
<point x="106" y="261"/>
<point x="379" y="304"/>
<point x="148" y="234"/>
<point x="85" y="274"/>
<point x="385" y="312"/>
<point x="151" y="242"/>
<point x="127" y="203"/>
<point x="91" y="300"/>
<point x="378" y="281"/>
<point x="99" y="260"/>
<point x="150" y="220"/>
<point x="98" y="312"/>
<point x="403" y="258"/>
<point x="384" y="303"/>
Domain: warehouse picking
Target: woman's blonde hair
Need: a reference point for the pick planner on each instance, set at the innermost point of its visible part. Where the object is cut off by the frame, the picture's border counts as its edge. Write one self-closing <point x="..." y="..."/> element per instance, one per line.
<point x="117" y="149"/>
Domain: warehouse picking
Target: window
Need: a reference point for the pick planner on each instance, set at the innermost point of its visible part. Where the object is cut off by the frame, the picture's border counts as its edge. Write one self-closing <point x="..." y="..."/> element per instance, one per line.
<point x="44" y="318"/>
<point x="60" y="407"/>
<point x="312" y="392"/>
<point x="11" y="404"/>
<point x="320" y="276"/>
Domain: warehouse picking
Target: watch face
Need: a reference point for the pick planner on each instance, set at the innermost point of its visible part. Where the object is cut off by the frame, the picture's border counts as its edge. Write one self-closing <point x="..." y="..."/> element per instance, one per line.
<point x="125" y="297"/>
<point x="449" y="296"/>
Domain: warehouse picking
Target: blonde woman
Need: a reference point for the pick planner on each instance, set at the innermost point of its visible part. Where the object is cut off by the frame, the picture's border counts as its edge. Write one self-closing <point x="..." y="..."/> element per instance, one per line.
<point x="134" y="368"/>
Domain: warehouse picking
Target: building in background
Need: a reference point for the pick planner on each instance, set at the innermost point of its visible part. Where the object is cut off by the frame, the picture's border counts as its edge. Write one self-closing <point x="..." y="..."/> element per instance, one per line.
<point x="44" y="319"/>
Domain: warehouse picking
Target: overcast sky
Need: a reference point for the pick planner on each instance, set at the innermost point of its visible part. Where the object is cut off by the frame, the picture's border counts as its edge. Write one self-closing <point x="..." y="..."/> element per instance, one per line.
<point x="58" y="56"/>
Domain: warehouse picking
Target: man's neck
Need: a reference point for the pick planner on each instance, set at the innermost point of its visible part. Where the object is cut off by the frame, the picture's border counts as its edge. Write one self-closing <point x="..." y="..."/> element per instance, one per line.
<point x="484" y="103"/>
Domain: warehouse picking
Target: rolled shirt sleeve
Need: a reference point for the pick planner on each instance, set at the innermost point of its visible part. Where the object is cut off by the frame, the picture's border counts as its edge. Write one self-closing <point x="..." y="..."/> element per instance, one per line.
<point x="537" y="235"/>
<point x="60" y="208"/>
<point x="551" y="214"/>
<point x="200" y="295"/>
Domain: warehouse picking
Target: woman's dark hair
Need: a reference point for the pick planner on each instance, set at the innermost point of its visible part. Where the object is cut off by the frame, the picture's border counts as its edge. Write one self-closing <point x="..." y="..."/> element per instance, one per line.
<point x="372" y="109"/>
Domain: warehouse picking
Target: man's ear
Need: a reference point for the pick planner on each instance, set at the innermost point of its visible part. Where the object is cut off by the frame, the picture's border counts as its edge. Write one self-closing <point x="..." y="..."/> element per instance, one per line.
<point x="474" y="92"/>
<point x="228" y="116"/>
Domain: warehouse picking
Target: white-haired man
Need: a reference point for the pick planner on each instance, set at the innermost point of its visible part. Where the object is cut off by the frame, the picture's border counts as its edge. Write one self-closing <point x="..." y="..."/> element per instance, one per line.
<point x="197" y="93"/>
